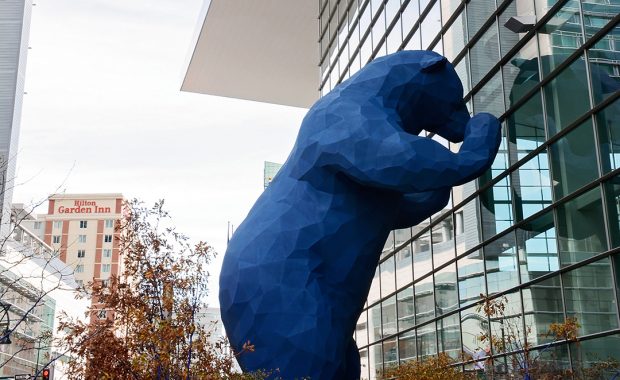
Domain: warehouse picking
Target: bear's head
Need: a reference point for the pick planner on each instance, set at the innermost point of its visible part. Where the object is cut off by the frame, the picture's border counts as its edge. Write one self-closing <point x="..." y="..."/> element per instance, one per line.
<point x="433" y="99"/>
<point x="424" y="89"/>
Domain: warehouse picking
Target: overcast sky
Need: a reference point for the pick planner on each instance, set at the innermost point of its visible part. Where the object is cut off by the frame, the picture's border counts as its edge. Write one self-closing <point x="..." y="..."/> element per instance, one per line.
<point x="104" y="113"/>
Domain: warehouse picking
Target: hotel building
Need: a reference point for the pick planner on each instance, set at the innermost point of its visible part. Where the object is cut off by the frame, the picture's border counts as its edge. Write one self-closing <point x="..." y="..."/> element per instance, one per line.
<point x="541" y="227"/>
<point x="81" y="228"/>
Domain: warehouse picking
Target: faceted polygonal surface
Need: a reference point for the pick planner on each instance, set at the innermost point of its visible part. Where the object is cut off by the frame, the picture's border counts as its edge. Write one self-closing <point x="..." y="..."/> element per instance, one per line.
<point x="298" y="269"/>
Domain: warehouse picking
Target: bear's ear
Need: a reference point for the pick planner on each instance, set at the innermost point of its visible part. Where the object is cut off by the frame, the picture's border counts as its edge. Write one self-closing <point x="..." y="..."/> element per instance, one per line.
<point x="433" y="63"/>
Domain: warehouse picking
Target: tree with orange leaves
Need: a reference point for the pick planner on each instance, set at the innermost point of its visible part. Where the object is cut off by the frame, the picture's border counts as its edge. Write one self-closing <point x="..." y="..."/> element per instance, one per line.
<point x="143" y="323"/>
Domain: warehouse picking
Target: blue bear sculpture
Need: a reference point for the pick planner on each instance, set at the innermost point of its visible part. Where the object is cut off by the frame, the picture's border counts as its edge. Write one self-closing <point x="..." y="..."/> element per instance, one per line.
<point x="298" y="269"/>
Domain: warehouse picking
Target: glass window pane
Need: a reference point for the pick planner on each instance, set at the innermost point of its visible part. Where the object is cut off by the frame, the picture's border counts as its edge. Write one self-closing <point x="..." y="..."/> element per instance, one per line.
<point x="466" y="224"/>
<point x="422" y="261"/>
<point x="485" y="53"/>
<point x="431" y="25"/>
<point x="375" y="288"/>
<point x="471" y="278"/>
<point x="374" y="323"/>
<point x="403" y="258"/>
<point x="588" y="291"/>
<point x="608" y="127"/>
<point x="474" y="324"/>
<point x="501" y="264"/>
<point x="388" y="316"/>
<point x="445" y="290"/>
<point x="490" y="97"/>
<point x="407" y="346"/>
<point x="612" y="195"/>
<point x="390" y="354"/>
<point x="604" y="57"/>
<point x="361" y="330"/>
<point x="531" y="185"/>
<point x="375" y="356"/>
<point x="597" y="358"/>
<point x="406" y="310"/>
<point x="409" y="16"/>
<point x="521" y="74"/>
<point x="507" y="329"/>
<point x="566" y="97"/>
<point x="537" y="247"/>
<point x="542" y="303"/>
<point x="551" y="361"/>
<point x="581" y="230"/>
<point x="462" y="70"/>
<point x="560" y="36"/>
<point x="427" y="341"/>
<point x="424" y="300"/>
<point x="477" y="13"/>
<point x="443" y="242"/>
<point x="395" y="38"/>
<point x="496" y="208"/>
<point x="448" y="7"/>
<point x="526" y="128"/>
<point x="388" y="277"/>
<point x="573" y="160"/>
<point x="455" y="38"/>
<point x="449" y="336"/>
<point x="508" y="38"/>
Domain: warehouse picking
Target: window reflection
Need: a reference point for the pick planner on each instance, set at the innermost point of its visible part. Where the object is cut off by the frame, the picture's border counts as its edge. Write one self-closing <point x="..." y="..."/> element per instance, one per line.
<point x="573" y="160"/>
<point x="427" y="341"/>
<point x="388" y="280"/>
<point x="608" y="127"/>
<point x="537" y="247"/>
<point x="422" y="261"/>
<point x="496" y="208"/>
<point x="566" y="96"/>
<point x="588" y="291"/>
<point x="532" y="186"/>
<point x="443" y="241"/>
<point x="404" y="270"/>
<point x="449" y="336"/>
<point x="406" y="315"/>
<point x="542" y="304"/>
<point x="424" y="300"/>
<point x="560" y="36"/>
<point x="501" y="264"/>
<point x="581" y="230"/>
<point x="485" y="53"/>
<point x="612" y="194"/>
<point x="471" y="278"/>
<point x="445" y="290"/>
<point x="388" y="316"/>
<point x="407" y="346"/>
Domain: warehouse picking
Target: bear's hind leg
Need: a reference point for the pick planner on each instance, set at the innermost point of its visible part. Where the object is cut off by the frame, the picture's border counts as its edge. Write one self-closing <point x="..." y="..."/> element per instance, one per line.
<point x="352" y="366"/>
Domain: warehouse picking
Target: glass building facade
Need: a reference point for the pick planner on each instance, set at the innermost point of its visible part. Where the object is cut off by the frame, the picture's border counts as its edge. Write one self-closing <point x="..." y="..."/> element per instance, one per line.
<point x="542" y="226"/>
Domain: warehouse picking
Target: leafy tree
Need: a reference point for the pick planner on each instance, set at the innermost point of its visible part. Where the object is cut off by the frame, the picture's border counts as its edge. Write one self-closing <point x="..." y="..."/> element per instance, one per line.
<point x="144" y="322"/>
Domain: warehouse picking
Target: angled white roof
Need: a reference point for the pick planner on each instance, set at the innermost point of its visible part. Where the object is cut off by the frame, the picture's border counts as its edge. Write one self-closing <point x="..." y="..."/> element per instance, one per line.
<point x="263" y="50"/>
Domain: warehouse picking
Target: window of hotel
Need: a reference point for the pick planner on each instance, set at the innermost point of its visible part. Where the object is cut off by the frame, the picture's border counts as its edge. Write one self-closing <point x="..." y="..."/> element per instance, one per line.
<point x="56" y="239"/>
<point x="79" y="268"/>
<point x="109" y="223"/>
<point x="105" y="268"/>
<point x="81" y="253"/>
<point x="107" y="253"/>
<point x="83" y="223"/>
<point x="82" y="238"/>
<point x="58" y="224"/>
<point x="37" y="225"/>
<point x="107" y="238"/>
